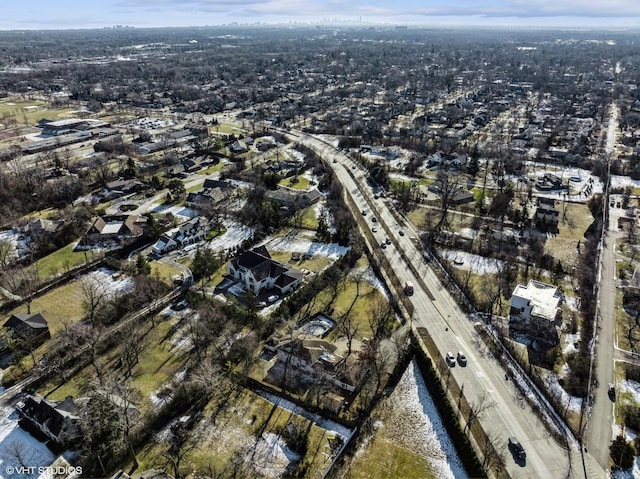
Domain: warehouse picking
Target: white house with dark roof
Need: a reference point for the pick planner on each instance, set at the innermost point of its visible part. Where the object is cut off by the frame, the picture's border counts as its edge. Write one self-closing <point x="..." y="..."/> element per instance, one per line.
<point x="258" y="272"/>
<point x="186" y="234"/>
<point x="535" y="313"/>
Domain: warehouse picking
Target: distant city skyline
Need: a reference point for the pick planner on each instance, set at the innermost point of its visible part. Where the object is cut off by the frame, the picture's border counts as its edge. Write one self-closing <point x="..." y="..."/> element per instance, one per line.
<point x="67" y="14"/>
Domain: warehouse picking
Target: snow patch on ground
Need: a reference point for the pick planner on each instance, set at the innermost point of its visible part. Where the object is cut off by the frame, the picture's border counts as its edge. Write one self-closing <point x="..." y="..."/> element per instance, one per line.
<point x="113" y="286"/>
<point x="233" y="237"/>
<point x="272" y="456"/>
<point x="414" y="422"/>
<point x="327" y="424"/>
<point x="633" y="473"/>
<point x="631" y="387"/>
<point x="476" y="264"/>
<point x="569" y="343"/>
<point x="572" y="403"/>
<point x="370" y="277"/>
<point x="34" y="452"/>
<point x="306" y="246"/>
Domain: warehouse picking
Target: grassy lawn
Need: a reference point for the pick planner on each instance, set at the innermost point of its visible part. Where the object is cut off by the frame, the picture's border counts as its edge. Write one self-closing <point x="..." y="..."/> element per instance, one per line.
<point x="563" y="246"/>
<point x="58" y="305"/>
<point x="622" y="325"/>
<point x="61" y="260"/>
<point x="383" y="459"/>
<point x="212" y="169"/>
<point x="297" y="183"/>
<point x="44" y="214"/>
<point x="365" y="304"/>
<point x="310" y="218"/>
<point x="158" y="362"/>
<point x="195" y="187"/>
<point x="226" y="129"/>
<point x="21" y="111"/>
<point x="164" y="271"/>
<point x="235" y="430"/>
<point x="314" y="264"/>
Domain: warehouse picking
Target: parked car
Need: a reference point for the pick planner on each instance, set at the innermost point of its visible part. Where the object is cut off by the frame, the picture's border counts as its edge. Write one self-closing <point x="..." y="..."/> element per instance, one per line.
<point x="462" y="359"/>
<point x="451" y="360"/>
<point x="612" y="392"/>
<point x="516" y="449"/>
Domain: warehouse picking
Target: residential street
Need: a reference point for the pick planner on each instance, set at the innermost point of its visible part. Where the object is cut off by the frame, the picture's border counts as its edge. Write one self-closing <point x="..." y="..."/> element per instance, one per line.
<point x="599" y="429"/>
<point x="599" y="422"/>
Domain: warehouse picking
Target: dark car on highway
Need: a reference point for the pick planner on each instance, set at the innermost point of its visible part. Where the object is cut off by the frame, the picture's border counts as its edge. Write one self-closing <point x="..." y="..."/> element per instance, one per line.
<point x="516" y="449"/>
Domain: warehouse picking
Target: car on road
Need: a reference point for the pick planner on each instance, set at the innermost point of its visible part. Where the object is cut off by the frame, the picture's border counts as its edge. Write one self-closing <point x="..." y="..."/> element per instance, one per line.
<point x="388" y="241"/>
<point x="383" y="245"/>
<point x="462" y="359"/>
<point x="401" y="233"/>
<point x="612" y="392"/>
<point x="451" y="361"/>
<point x="516" y="449"/>
<point x="374" y="229"/>
<point x="364" y="212"/>
<point x="374" y="219"/>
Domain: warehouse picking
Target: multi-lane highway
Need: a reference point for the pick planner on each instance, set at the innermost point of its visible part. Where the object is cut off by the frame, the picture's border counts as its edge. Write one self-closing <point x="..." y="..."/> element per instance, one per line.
<point x="452" y="330"/>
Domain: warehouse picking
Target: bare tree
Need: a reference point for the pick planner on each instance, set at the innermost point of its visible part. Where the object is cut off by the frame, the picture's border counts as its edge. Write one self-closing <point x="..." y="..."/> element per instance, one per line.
<point x="180" y="443"/>
<point x="349" y="329"/>
<point x="89" y="336"/>
<point x="132" y="346"/>
<point x="379" y="317"/>
<point x="446" y="186"/>
<point x="6" y="253"/>
<point x="492" y="459"/>
<point x="20" y="453"/>
<point x="477" y="407"/>
<point x="94" y="295"/>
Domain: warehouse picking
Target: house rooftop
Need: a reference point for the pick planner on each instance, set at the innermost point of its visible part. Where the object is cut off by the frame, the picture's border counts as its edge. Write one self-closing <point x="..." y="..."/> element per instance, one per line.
<point x="544" y="298"/>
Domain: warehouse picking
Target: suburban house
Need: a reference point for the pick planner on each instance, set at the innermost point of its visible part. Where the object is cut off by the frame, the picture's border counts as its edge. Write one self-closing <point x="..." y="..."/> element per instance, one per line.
<point x="58" y="420"/>
<point x="314" y="356"/>
<point x="457" y="196"/>
<point x="114" y="231"/>
<point x="550" y="182"/>
<point x="239" y="146"/>
<point x="535" y="313"/>
<point x="290" y="197"/>
<point x="117" y="188"/>
<point x="213" y="192"/>
<point x="546" y="213"/>
<point x="188" y="233"/>
<point x="258" y="272"/>
<point x="32" y="328"/>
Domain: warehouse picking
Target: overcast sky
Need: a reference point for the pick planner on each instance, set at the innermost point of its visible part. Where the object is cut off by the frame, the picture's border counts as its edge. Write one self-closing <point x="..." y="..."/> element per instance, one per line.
<point x="35" y="14"/>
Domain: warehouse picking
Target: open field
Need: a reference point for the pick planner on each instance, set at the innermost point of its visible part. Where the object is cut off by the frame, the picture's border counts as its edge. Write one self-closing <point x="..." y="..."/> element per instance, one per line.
<point x="62" y="260"/>
<point x="563" y="246"/>
<point x="32" y="111"/>
<point x="228" y="437"/>
<point x="158" y="362"/>
<point x="296" y="182"/>
<point x="60" y="305"/>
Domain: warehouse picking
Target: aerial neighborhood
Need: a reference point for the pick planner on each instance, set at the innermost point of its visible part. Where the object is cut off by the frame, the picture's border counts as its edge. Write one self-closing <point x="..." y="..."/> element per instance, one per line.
<point x="222" y="256"/>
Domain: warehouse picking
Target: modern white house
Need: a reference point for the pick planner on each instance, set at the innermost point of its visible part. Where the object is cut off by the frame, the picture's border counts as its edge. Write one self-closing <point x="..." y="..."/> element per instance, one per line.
<point x="535" y="313"/>
<point x="186" y="234"/>
<point x="258" y="272"/>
